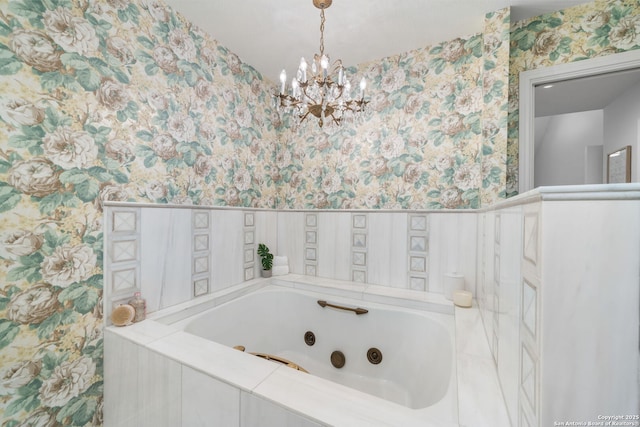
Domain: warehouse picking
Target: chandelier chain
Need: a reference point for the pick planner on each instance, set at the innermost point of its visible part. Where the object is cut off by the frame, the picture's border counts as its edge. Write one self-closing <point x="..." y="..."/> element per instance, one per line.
<point x="321" y="32"/>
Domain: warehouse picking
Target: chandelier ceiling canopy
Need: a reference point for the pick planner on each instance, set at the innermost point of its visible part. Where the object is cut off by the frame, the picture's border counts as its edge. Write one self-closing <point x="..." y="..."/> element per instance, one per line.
<point x="319" y="88"/>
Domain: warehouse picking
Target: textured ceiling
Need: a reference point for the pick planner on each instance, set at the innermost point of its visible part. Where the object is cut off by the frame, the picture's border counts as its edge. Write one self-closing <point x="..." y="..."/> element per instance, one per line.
<point x="273" y="35"/>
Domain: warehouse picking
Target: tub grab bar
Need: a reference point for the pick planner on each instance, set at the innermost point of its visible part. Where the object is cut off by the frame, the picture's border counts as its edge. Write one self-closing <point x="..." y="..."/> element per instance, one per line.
<point x="357" y="310"/>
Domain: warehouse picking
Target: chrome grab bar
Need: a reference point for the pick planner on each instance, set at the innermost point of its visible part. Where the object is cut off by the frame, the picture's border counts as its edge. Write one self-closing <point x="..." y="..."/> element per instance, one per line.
<point x="357" y="310"/>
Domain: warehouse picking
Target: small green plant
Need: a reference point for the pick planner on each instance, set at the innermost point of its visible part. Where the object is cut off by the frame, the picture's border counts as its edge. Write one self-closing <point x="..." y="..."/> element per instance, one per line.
<point x="267" y="257"/>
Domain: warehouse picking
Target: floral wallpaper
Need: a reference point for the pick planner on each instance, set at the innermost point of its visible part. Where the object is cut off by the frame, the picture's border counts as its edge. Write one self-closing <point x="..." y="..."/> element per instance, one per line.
<point x="600" y="28"/>
<point x="127" y="101"/>
<point x="417" y="146"/>
<point x="422" y="144"/>
<point x="104" y="100"/>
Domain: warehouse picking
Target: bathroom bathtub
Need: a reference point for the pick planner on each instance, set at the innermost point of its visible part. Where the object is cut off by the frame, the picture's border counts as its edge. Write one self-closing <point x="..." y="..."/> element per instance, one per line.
<point x="413" y="348"/>
<point x="436" y="368"/>
<point x="415" y="381"/>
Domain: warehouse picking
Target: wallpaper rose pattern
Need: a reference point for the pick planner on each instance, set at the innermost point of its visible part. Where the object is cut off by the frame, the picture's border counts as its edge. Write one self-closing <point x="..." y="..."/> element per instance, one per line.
<point x="603" y="27"/>
<point x="127" y="101"/>
<point x="104" y="100"/>
<point x="416" y="147"/>
<point x="422" y="143"/>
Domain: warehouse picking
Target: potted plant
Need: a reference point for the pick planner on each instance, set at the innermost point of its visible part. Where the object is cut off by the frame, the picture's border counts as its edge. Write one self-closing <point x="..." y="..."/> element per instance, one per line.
<point x="266" y="259"/>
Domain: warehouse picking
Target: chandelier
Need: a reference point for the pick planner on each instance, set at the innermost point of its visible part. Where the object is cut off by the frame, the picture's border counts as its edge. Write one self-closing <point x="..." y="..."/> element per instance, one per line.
<point x="319" y="89"/>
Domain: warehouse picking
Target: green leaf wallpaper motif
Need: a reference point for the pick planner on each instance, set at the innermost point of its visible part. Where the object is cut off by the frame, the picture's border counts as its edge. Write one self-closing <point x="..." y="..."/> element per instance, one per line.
<point x="604" y="27"/>
<point x="123" y="101"/>
<point x="127" y="101"/>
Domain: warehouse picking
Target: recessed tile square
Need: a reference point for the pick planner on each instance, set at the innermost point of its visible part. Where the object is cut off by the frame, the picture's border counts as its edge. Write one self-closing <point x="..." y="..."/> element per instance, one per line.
<point x="200" y="264"/>
<point x="311" y="220"/>
<point x="200" y="287"/>
<point x="529" y="307"/>
<point x="123" y="280"/>
<point x="418" y="223"/>
<point x="418" y="243"/>
<point x="359" y="240"/>
<point x="248" y="273"/>
<point x="359" y="258"/>
<point x="249" y="219"/>
<point x="310" y="270"/>
<point x="124" y="250"/>
<point x="248" y="237"/>
<point x="310" y="254"/>
<point x="200" y="220"/>
<point x="200" y="242"/>
<point x="359" y="276"/>
<point x="528" y="376"/>
<point x="417" y="263"/>
<point x="418" y="283"/>
<point x="359" y="221"/>
<point x="248" y="255"/>
<point x="311" y="237"/>
<point x="124" y="221"/>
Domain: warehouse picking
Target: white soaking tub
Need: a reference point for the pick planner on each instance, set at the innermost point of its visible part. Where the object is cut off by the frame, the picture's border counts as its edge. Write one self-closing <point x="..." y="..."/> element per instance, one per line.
<point x="402" y="355"/>
<point x="179" y="367"/>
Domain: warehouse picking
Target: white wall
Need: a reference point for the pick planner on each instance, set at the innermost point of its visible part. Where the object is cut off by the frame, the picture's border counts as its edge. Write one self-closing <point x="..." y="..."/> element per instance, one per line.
<point x="560" y="150"/>
<point x="622" y="118"/>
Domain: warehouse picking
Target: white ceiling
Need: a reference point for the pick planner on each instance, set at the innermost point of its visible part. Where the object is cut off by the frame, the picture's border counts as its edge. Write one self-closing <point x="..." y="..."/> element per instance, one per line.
<point x="583" y="94"/>
<point x="273" y="35"/>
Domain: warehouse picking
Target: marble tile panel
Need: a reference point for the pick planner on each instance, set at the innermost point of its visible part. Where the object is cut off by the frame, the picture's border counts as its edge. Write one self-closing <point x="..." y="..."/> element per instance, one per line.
<point x="245" y="370"/>
<point x="530" y="237"/>
<point x="159" y="395"/>
<point x="334" y="245"/>
<point x="256" y="411"/>
<point x="589" y="292"/>
<point x="227" y="248"/>
<point x="333" y="403"/>
<point x="207" y="401"/>
<point x="452" y="248"/>
<point x="165" y="256"/>
<point x="387" y="249"/>
<point x="121" y="400"/>
<point x="291" y="239"/>
<point x="266" y="224"/>
<point x="470" y="337"/>
<point x="479" y="395"/>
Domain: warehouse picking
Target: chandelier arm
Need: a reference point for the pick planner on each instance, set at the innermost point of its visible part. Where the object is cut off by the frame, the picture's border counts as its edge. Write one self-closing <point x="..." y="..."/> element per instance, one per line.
<point x="304" y="91"/>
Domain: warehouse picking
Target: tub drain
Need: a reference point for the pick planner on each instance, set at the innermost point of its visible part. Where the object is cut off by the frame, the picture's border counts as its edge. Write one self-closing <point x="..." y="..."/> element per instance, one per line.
<point x="337" y="359"/>
<point x="309" y="338"/>
<point x="374" y="355"/>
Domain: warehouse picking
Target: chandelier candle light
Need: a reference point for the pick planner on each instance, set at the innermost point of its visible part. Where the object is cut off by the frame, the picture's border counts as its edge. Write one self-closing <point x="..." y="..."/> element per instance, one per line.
<point x="314" y="91"/>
